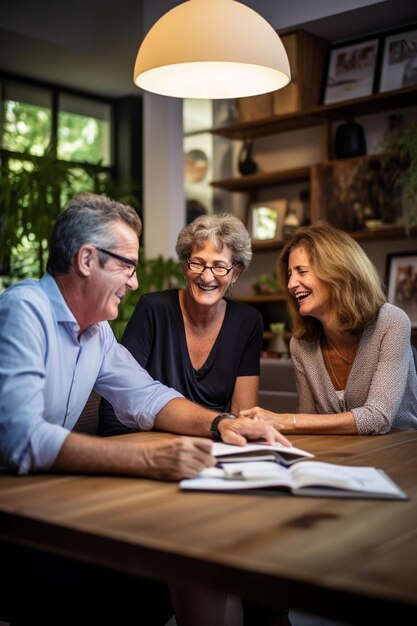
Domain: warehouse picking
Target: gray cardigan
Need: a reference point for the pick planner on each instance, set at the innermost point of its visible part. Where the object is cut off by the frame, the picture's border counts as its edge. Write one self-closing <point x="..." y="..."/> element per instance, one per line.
<point x="381" y="390"/>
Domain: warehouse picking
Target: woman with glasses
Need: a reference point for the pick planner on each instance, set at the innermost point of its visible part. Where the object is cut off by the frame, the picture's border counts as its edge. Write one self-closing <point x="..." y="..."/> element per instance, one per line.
<point x="208" y="348"/>
<point x="194" y="339"/>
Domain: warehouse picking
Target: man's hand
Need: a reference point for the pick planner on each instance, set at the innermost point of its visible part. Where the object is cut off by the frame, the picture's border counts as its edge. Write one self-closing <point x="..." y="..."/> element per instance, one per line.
<point x="163" y="459"/>
<point x="175" y="459"/>
<point x="243" y="429"/>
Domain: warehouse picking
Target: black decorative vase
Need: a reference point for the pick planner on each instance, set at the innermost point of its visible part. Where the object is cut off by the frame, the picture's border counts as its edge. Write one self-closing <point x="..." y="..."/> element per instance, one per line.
<point x="349" y="140"/>
<point x="246" y="164"/>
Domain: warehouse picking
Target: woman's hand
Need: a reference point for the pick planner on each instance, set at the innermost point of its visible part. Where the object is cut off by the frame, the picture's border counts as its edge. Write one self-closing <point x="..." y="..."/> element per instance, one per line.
<point x="280" y="421"/>
<point x="240" y="431"/>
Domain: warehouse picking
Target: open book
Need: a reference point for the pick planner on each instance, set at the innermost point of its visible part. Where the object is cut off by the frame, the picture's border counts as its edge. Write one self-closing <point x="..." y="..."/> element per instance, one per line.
<point x="225" y="453"/>
<point x="308" y="478"/>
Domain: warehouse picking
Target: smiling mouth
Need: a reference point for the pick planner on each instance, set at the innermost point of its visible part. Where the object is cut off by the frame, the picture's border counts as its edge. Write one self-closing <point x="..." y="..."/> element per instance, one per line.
<point x="206" y="287"/>
<point x="302" y="295"/>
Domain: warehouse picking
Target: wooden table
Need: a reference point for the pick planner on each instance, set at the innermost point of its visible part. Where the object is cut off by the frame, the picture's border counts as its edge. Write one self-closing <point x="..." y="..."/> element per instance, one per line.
<point x="336" y="556"/>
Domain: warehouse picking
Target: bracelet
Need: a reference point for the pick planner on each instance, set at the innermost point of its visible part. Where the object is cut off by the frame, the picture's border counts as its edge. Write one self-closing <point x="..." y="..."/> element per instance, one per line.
<point x="294" y="422"/>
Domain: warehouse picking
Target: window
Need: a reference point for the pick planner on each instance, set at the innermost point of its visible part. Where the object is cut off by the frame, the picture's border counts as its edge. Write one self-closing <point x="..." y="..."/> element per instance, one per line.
<point x="27" y="120"/>
<point x="53" y="144"/>
<point x="84" y="130"/>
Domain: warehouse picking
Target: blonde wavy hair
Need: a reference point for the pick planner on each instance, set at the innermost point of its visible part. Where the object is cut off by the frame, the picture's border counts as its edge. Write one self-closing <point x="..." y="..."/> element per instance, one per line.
<point x="356" y="290"/>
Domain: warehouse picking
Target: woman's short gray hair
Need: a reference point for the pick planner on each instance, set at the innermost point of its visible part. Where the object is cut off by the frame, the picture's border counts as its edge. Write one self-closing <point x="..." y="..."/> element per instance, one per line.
<point x="221" y="229"/>
<point x="87" y="219"/>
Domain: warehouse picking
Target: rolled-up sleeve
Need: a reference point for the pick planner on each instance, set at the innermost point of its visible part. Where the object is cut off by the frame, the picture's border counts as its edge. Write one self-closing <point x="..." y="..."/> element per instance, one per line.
<point x="48" y="370"/>
<point x="135" y="396"/>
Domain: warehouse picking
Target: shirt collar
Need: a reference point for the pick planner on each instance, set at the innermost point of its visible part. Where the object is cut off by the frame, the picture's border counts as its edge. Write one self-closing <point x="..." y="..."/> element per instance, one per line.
<point x="63" y="313"/>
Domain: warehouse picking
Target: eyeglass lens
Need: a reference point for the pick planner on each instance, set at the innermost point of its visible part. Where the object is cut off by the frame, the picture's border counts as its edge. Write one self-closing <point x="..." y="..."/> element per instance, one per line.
<point x="216" y="270"/>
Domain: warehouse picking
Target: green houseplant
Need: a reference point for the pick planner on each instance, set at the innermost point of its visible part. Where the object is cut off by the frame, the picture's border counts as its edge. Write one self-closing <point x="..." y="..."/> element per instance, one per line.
<point x="153" y="275"/>
<point x="383" y="186"/>
<point x="402" y="143"/>
<point x="265" y="284"/>
<point x="30" y="199"/>
<point x="32" y="194"/>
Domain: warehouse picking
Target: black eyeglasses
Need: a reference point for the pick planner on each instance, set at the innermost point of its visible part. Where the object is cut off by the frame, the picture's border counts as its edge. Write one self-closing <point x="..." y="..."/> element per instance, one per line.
<point x="123" y="259"/>
<point x="216" y="270"/>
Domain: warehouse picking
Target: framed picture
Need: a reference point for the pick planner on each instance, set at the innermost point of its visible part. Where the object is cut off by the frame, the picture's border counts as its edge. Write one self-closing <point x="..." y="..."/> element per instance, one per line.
<point x="351" y="71"/>
<point x="266" y="219"/>
<point x="402" y="283"/>
<point x="399" y="61"/>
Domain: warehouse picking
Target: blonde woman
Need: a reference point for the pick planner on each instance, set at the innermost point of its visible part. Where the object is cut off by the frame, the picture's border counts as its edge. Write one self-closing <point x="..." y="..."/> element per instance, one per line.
<point x="351" y="349"/>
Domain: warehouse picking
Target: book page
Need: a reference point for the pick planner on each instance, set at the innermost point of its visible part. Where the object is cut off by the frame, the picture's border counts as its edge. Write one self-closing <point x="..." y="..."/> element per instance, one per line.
<point x="254" y="471"/>
<point x="304" y="479"/>
<point x="242" y="475"/>
<point x="361" y="479"/>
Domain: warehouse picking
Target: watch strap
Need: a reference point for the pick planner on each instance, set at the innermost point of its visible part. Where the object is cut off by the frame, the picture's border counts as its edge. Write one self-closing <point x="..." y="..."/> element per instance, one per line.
<point x="214" y="428"/>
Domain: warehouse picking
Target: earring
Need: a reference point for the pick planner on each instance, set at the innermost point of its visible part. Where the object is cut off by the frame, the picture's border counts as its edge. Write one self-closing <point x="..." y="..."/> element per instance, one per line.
<point x="230" y="288"/>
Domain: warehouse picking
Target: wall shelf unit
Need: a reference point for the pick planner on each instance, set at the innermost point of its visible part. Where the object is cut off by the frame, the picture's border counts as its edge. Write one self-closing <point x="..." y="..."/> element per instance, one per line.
<point x="319" y="177"/>
<point x="263" y="179"/>
<point x="377" y="234"/>
<point x="323" y="176"/>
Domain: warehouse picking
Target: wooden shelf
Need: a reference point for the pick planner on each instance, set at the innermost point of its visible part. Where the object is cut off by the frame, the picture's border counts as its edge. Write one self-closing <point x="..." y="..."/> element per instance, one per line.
<point x="268" y="126"/>
<point x="320" y="114"/>
<point x="267" y="244"/>
<point x="379" y="234"/>
<point x="263" y="179"/>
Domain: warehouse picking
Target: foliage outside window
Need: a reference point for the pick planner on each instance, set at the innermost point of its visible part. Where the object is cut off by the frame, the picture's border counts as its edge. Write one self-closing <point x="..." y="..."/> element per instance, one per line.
<point x="52" y="145"/>
<point x="42" y="168"/>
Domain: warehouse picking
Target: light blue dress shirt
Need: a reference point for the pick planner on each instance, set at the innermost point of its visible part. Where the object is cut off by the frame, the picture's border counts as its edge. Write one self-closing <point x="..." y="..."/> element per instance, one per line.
<point x="47" y="375"/>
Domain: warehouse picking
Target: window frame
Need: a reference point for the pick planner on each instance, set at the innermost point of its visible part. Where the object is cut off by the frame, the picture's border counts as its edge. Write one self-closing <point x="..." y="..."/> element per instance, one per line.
<point x="56" y="91"/>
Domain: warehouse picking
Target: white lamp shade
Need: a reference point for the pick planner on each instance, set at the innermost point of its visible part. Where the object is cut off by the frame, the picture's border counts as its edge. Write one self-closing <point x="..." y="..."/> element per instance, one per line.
<point x="211" y="49"/>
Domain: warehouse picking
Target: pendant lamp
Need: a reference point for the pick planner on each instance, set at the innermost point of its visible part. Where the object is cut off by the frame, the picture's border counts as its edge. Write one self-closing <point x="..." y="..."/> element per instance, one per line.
<point x="211" y="49"/>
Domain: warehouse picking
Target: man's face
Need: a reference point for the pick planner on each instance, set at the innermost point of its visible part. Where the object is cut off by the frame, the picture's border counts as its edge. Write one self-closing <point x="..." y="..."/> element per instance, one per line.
<point x="114" y="279"/>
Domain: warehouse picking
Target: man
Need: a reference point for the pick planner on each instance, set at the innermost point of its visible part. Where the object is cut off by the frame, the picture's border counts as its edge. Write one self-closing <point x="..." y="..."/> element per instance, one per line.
<point x="56" y="346"/>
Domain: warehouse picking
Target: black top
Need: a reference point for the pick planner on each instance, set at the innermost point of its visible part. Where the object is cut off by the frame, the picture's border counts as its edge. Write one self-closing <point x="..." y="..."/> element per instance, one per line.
<point x="155" y="335"/>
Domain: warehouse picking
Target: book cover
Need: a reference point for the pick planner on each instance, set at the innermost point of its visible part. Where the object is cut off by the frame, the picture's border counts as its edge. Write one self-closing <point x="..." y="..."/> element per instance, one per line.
<point x="307" y="478"/>
<point x="227" y="453"/>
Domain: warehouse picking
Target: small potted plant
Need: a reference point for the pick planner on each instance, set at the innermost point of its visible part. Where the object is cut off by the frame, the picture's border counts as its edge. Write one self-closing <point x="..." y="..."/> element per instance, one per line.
<point x="265" y="284"/>
<point x="278" y="344"/>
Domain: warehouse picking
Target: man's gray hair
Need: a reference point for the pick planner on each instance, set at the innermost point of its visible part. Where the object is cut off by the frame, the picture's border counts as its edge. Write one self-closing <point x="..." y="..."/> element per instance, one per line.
<point x="87" y="219"/>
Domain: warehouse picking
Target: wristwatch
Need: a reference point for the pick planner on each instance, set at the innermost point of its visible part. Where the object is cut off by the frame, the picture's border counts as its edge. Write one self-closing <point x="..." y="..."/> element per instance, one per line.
<point x="214" y="430"/>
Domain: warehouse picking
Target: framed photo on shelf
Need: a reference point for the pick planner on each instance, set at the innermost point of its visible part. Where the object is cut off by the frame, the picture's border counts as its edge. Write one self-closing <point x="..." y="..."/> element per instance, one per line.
<point x="266" y="219"/>
<point x="402" y="283"/>
<point x="351" y="71"/>
<point x="399" y="61"/>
